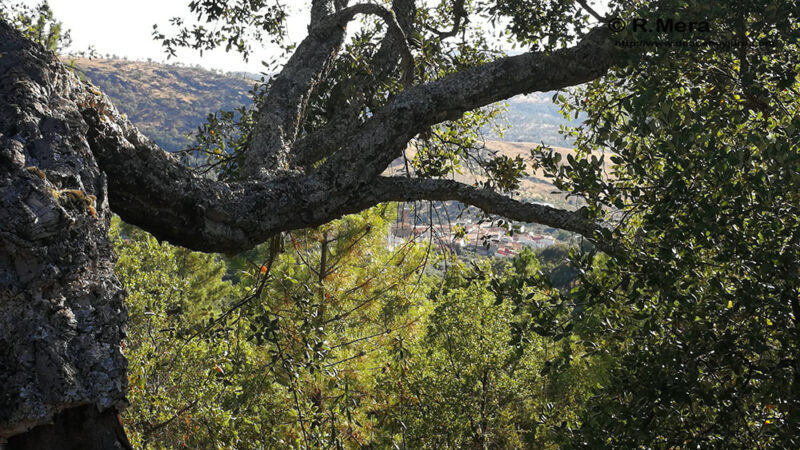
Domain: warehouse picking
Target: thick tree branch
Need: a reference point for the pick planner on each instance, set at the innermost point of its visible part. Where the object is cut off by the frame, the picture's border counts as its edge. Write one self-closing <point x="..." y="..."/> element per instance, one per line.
<point x="324" y="142"/>
<point x="394" y="44"/>
<point x="280" y="115"/>
<point x="395" y="41"/>
<point x="320" y="9"/>
<point x="330" y="138"/>
<point x="368" y="150"/>
<point x="150" y="188"/>
<point x="209" y="215"/>
<point x="382" y="138"/>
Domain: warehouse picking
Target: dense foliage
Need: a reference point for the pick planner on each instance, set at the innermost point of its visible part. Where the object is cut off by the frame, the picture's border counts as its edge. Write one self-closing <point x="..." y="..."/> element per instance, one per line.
<point x="701" y="305"/>
<point x="332" y="342"/>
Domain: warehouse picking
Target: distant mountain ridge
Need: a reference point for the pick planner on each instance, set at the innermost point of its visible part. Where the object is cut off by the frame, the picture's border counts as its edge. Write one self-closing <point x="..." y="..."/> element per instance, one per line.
<point x="168" y="101"/>
<point x="165" y="101"/>
<point x="535" y="118"/>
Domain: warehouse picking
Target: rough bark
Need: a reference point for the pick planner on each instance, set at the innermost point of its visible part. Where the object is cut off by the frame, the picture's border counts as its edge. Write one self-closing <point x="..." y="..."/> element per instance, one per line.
<point x="68" y="158"/>
<point x="151" y="189"/>
<point x="61" y="310"/>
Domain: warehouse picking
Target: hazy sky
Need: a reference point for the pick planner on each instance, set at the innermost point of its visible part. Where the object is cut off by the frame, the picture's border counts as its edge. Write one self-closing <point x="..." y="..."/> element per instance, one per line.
<point x="124" y="27"/>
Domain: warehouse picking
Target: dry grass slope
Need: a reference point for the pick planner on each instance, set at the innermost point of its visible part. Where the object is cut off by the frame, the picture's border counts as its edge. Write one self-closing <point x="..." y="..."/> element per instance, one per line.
<point x="165" y="101"/>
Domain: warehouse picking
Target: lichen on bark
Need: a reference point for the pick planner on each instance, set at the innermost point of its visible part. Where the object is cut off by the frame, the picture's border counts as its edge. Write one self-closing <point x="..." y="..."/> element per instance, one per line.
<point x="61" y="307"/>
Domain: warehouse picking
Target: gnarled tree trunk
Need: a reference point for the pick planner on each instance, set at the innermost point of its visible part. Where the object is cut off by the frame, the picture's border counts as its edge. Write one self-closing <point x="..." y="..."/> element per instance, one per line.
<point x="61" y="307"/>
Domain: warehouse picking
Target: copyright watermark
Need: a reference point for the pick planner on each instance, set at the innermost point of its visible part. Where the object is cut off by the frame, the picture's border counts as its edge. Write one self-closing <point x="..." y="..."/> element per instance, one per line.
<point x="694" y="44"/>
<point x="661" y="25"/>
<point x="616" y="24"/>
<point x="688" y="34"/>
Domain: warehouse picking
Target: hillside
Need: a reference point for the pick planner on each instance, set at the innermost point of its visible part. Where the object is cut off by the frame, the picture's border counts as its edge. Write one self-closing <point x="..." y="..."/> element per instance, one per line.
<point x="165" y="101"/>
<point x="534" y="118"/>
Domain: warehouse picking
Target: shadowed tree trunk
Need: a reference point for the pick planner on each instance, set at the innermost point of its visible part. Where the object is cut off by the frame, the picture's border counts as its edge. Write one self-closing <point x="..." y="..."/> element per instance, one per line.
<point x="78" y="428"/>
<point x="68" y="158"/>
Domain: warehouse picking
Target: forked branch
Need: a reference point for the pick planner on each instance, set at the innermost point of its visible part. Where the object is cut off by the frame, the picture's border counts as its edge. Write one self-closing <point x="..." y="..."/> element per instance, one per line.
<point x="279" y="116"/>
